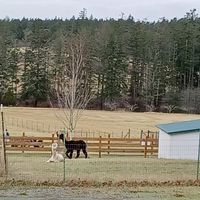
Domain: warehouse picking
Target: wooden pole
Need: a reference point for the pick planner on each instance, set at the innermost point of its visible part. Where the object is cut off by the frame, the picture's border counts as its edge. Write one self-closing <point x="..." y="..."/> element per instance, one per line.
<point x="129" y="133"/>
<point x="108" y="144"/>
<point x="23" y="141"/>
<point x="52" y="142"/>
<point x="145" y="147"/>
<point x="4" y="146"/>
<point x="152" y="143"/>
<point x="122" y="136"/>
<point x="141" y="135"/>
<point x="100" y="138"/>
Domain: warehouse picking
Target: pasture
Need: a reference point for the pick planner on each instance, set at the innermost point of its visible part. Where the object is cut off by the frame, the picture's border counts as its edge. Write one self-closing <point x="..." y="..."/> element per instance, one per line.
<point x="109" y="171"/>
<point x="33" y="166"/>
<point x="44" y="121"/>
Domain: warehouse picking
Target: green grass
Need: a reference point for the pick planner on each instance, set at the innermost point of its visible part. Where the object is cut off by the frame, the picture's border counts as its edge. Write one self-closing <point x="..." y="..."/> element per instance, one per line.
<point x="108" y="168"/>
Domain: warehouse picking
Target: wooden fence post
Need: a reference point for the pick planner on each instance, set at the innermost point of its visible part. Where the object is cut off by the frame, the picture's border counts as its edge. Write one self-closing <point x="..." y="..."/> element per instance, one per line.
<point x="23" y="140"/>
<point x="100" y="138"/>
<point x="141" y="135"/>
<point x="53" y="138"/>
<point x="52" y="141"/>
<point x="152" y="143"/>
<point x="122" y="134"/>
<point x="108" y="144"/>
<point x="148" y="133"/>
<point x="145" y="147"/>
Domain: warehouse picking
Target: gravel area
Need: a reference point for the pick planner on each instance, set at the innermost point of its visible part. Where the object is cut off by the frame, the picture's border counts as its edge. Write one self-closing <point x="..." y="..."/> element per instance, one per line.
<point x="105" y="193"/>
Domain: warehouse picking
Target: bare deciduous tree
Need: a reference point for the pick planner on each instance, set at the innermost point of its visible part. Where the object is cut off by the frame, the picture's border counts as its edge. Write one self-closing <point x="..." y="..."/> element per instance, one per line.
<point x="72" y="89"/>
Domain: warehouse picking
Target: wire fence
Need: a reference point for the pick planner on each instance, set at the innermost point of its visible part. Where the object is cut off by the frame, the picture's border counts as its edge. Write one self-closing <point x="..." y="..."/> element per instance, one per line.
<point x="117" y="166"/>
<point x="110" y="159"/>
<point x="38" y="127"/>
<point x="108" y="168"/>
<point x="33" y="126"/>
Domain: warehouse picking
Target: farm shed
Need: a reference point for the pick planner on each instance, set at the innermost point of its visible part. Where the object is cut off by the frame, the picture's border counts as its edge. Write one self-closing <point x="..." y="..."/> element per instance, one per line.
<point x="179" y="140"/>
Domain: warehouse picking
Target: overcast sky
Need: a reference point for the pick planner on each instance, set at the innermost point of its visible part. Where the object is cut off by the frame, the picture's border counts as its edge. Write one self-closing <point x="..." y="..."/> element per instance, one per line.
<point x="139" y="9"/>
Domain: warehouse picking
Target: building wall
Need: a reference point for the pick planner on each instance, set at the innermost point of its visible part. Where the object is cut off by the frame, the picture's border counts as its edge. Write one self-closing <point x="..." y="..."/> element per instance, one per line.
<point x="179" y="146"/>
<point x="184" y="146"/>
<point x="164" y="144"/>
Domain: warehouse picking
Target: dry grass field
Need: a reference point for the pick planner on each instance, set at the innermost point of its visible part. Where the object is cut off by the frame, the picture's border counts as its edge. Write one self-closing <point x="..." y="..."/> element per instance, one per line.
<point x="32" y="120"/>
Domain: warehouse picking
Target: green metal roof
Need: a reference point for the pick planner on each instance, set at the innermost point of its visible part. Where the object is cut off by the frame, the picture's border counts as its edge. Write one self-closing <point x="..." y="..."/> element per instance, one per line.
<point x="183" y="126"/>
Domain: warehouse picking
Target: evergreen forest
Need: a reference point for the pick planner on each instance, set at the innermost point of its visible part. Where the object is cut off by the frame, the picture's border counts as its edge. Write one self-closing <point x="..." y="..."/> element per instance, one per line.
<point x="129" y="64"/>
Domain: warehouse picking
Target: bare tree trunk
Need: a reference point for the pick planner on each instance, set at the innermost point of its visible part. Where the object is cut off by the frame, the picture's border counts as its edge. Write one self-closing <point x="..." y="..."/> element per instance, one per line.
<point x="73" y="92"/>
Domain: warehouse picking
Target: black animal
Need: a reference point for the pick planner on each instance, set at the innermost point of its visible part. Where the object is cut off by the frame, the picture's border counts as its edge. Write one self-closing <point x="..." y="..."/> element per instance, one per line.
<point x="74" y="145"/>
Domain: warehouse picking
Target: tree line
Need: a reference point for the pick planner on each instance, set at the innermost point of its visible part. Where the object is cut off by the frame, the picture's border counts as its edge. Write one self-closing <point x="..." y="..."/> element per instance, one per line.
<point x="127" y="64"/>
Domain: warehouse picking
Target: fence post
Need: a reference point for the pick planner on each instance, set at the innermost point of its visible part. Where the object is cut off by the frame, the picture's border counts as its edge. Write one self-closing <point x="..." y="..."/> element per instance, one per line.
<point x="152" y="143"/>
<point x="3" y="140"/>
<point x="52" y="141"/>
<point x="129" y="133"/>
<point x="141" y="135"/>
<point x="100" y="138"/>
<point x="23" y="140"/>
<point x="148" y="133"/>
<point x="53" y="138"/>
<point x="145" y="147"/>
<point x="108" y="144"/>
<point x="122" y="134"/>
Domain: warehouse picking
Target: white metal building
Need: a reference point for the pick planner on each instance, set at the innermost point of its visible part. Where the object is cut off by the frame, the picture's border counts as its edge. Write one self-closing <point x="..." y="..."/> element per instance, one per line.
<point x="179" y="140"/>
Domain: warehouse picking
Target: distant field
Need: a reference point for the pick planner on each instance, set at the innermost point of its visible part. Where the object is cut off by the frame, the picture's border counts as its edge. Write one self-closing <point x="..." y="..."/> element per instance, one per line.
<point x="33" y="121"/>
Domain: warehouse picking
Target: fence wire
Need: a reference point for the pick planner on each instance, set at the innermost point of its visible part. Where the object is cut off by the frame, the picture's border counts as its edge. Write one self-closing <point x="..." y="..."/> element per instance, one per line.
<point x="109" y="168"/>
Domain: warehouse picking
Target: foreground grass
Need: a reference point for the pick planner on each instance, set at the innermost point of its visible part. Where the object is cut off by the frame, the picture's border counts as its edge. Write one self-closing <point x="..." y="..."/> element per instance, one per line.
<point x="108" y="168"/>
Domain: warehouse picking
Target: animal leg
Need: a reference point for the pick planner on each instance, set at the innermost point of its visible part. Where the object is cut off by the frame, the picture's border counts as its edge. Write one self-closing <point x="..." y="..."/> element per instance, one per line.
<point x="85" y="153"/>
<point x="78" y="153"/>
<point x="71" y="153"/>
<point x="67" y="152"/>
